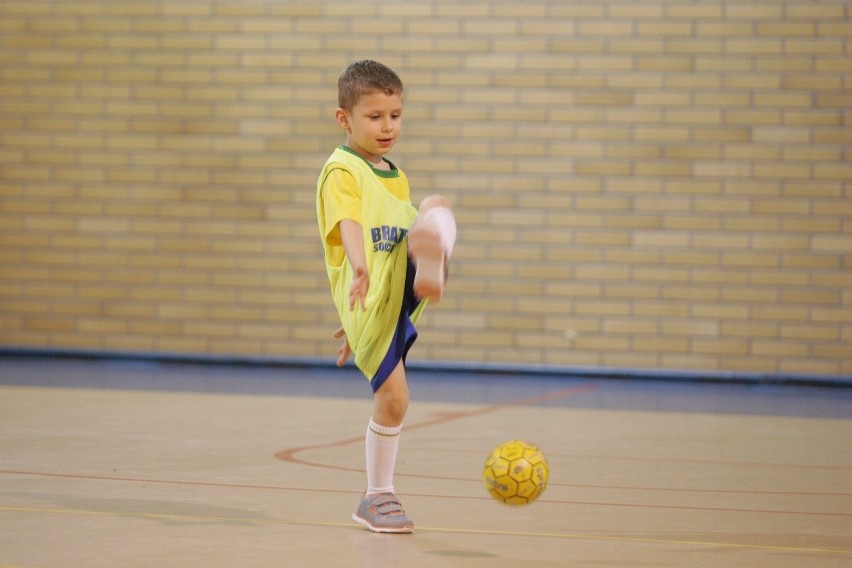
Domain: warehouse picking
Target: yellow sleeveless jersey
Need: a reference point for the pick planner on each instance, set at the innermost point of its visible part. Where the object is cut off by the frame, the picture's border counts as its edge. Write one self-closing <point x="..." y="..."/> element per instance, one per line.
<point x="380" y="202"/>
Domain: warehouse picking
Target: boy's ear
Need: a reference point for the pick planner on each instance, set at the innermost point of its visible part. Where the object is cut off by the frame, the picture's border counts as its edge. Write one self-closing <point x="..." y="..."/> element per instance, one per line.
<point x="342" y="119"/>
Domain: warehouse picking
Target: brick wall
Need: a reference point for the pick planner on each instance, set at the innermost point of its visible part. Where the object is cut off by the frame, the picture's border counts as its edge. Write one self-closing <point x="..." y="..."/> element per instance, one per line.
<point x="653" y="184"/>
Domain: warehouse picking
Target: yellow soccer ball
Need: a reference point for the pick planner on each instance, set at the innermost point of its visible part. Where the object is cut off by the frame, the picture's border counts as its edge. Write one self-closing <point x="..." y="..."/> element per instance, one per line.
<point x="515" y="473"/>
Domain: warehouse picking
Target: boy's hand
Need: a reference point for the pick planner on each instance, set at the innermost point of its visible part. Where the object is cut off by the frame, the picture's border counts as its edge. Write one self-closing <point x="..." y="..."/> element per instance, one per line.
<point x="345" y="351"/>
<point x="358" y="288"/>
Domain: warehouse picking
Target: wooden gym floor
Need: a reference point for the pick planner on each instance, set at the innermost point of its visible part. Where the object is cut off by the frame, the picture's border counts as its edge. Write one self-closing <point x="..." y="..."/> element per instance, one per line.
<point x="142" y="463"/>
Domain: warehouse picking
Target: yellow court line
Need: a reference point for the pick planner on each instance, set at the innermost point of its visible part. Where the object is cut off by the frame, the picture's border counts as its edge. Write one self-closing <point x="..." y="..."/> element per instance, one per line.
<point x="638" y="539"/>
<point x="485" y="532"/>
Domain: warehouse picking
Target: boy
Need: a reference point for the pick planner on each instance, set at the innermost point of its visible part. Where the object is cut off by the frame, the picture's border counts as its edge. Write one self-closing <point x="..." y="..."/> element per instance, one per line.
<point x="369" y="230"/>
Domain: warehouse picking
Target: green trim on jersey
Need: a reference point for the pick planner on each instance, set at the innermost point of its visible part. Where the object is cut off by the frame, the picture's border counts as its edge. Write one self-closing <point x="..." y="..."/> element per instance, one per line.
<point x="392" y="173"/>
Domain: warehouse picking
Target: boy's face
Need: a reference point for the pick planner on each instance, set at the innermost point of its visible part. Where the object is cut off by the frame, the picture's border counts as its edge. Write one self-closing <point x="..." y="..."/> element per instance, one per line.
<point x="372" y="125"/>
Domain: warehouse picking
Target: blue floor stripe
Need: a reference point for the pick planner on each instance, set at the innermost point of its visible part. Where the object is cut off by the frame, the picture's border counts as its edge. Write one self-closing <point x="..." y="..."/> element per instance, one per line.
<point x="505" y="387"/>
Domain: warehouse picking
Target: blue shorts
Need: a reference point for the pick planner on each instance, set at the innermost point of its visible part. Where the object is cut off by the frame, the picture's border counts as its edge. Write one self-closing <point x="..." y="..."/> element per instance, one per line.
<point x="403" y="336"/>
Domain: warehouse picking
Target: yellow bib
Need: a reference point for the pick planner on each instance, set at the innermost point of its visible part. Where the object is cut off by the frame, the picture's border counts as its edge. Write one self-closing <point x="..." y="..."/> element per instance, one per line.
<point x="385" y="220"/>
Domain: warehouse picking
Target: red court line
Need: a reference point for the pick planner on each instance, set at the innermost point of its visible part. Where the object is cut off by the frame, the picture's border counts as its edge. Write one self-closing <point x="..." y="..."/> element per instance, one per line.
<point x="163" y="481"/>
<point x="289" y="454"/>
<point x="673" y="460"/>
<point x="717" y="462"/>
<point x="715" y="491"/>
<point x="483" y="498"/>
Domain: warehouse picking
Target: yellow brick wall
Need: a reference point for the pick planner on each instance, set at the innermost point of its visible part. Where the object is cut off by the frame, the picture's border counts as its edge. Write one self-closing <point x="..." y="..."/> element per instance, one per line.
<point x="653" y="184"/>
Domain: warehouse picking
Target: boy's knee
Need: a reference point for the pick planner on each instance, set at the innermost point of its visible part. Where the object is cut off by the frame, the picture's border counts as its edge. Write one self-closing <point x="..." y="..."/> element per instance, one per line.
<point x="397" y="402"/>
<point x="433" y="201"/>
<point x="392" y="403"/>
<point x="393" y="409"/>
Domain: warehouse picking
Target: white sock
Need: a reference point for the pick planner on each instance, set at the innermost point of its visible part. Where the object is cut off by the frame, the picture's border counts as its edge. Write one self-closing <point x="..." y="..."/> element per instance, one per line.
<point x="382" y="445"/>
<point x="445" y="223"/>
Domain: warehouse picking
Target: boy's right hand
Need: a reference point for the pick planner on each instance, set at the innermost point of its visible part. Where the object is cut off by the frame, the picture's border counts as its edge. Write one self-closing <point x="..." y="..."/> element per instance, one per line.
<point x="358" y="288"/>
<point x="345" y="350"/>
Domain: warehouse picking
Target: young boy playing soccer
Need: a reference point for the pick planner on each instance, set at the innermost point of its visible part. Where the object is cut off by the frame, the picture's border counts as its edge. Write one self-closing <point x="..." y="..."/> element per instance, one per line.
<point x="384" y="260"/>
